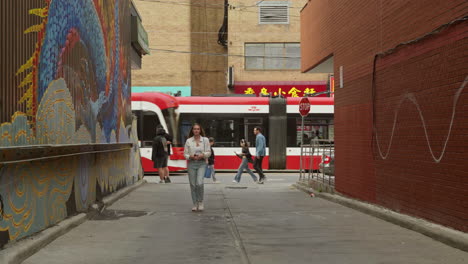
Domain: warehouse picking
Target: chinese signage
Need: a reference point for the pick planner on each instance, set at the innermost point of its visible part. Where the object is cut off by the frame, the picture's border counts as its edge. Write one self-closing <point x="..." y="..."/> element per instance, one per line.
<point x="293" y="89"/>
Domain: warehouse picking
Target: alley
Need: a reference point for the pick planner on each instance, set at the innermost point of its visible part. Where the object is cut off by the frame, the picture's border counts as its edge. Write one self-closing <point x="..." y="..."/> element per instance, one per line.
<point x="245" y="223"/>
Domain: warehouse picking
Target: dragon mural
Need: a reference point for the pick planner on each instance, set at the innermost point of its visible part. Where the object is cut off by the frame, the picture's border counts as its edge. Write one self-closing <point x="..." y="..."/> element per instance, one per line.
<point x="76" y="90"/>
<point x="81" y="48"/>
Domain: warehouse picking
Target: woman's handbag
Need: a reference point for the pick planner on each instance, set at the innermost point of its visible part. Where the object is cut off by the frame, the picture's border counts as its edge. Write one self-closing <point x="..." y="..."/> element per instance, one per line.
<point x="208" y="172"/>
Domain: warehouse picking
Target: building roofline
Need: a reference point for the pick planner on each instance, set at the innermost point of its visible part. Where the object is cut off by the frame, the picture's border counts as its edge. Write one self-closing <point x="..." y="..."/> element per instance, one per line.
<point x="304" y="6"/>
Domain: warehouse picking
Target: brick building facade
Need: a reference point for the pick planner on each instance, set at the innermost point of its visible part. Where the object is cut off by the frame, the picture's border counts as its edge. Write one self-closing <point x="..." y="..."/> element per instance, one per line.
<point x="248" y="28"/>
<point x="401" y="120"/>
<point x="183" y="36"/>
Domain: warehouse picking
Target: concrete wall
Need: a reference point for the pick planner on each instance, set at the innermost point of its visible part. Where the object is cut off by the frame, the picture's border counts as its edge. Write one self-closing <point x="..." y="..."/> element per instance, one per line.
<point x="400" y="136"/>
<point x="66" y="137"/>
<point x="168" y="27"/>
<point x="244" y="27"/>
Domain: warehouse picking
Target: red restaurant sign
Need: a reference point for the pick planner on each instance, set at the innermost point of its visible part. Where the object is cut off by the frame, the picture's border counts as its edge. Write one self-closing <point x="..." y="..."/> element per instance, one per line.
<point x="287" y="89"/>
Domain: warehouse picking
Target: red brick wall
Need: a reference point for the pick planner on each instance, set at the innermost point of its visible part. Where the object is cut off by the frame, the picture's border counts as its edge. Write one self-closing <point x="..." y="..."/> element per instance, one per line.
<point x="409" y="180"/>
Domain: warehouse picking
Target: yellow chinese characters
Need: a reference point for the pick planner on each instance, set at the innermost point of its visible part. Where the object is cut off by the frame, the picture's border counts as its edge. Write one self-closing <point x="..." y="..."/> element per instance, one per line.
<point x="309" y="91"/>
<point x="249" y="91"/>
<point x="293" y="92"/>
<point x="280" y="91"/>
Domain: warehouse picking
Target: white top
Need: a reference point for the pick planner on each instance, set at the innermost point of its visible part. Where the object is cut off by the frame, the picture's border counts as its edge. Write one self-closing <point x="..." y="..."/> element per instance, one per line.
<point x="191" y="147"/>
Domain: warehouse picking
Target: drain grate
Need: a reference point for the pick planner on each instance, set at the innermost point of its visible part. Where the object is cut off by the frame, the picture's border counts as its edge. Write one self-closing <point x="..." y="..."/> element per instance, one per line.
<point x="117" y="214"/>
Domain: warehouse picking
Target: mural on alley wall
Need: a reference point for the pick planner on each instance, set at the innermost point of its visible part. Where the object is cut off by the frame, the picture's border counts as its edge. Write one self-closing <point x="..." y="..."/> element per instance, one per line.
<point x="38" y="194"/>
<point x="71" y="89"/>
<point x="76" y="82"/>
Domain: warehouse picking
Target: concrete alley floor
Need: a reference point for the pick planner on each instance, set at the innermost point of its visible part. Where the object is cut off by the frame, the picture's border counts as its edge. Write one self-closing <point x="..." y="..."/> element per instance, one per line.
<point x="242" y="223"/>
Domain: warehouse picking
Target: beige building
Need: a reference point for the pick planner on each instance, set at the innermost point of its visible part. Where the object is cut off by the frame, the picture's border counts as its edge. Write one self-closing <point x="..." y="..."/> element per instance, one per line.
<point x="168" y="28"/>
<point x="264" y="48"/>
<point x="182" y="36"/>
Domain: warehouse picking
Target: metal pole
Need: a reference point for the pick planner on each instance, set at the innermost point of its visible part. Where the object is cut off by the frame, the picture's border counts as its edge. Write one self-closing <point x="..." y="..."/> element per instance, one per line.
<point x="302" y="137"/>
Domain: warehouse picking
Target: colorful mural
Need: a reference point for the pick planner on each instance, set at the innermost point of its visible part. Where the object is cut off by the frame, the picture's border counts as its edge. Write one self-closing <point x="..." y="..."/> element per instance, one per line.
<point x="79" y="65"/>
<point x="38" y="194"/>
<point x="71" y="89"/>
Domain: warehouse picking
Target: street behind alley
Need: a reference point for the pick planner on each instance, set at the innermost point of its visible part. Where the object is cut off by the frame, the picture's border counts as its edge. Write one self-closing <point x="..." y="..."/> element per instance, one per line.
<point x="242" y="223"/>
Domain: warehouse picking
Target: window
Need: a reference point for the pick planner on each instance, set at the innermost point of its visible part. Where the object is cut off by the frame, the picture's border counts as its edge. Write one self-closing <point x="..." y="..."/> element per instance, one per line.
<point x="227" y="129"/>
<point x="273" y="12"/>
<point x="322" y="127"/>
<point x="272" y="56"/>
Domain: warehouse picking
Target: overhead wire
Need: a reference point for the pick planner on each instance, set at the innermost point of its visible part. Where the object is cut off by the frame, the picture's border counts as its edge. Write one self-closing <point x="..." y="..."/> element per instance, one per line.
<point x="212" y="6"/>
<point x="217" y="5"/>
<point x="222" y="54"/>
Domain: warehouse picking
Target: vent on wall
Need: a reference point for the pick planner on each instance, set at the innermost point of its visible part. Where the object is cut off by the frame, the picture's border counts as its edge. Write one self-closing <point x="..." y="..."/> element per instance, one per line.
<point x="230" y="77"/>
<point x="273" y="12"/>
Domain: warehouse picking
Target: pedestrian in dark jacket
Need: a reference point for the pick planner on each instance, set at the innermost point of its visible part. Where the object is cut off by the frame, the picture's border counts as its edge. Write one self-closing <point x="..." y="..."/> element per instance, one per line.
<point x="246" y="158"/>
<point x="169" y="142"/>
<point x="210" y="170"/>
<point x="159" y="154"/>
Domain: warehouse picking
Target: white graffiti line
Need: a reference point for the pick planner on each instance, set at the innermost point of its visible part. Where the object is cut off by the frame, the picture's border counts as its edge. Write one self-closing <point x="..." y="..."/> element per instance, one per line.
<point x="411" y="97"/>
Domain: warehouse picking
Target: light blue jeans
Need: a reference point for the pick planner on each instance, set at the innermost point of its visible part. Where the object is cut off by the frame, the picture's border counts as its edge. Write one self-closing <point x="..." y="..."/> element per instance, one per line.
<point x="213" y="172"/>
<point x="196" y="173"/>
<point x="244" y="166"/>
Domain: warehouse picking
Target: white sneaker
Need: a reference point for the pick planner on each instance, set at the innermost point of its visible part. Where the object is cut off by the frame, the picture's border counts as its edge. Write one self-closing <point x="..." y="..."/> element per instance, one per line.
<point x="161" y="181"/>
<point x="234" y="181"/>
<point x="194" y="208"/>
<point x="200" y="206"/>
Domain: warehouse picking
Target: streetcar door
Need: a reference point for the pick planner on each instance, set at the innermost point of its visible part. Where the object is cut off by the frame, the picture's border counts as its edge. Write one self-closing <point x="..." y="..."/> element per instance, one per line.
<point x="147" y="121"/>
<point x="278" y="133"/>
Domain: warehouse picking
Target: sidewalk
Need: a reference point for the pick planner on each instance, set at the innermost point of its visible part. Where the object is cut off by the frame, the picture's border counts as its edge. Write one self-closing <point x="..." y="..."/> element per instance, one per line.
<point x="246" y="223"/>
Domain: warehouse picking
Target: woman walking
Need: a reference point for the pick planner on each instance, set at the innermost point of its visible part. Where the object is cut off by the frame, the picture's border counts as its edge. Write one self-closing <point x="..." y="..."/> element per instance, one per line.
<point x="246" y="158"/>
<point x="210" y="169"/>
<point x="197" y="149"/>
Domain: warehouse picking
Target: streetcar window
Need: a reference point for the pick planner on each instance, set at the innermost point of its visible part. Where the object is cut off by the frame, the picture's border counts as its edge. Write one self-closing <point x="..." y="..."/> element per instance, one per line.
<point x="226" y="129"/>
<point x="323" y="128"/>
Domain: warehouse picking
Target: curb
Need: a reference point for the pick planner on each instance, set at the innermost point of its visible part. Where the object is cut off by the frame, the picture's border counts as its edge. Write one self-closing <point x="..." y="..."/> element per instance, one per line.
<point x="113" y="197"/>
<point x="448" y="236"/>
<point x="19" y="251"/>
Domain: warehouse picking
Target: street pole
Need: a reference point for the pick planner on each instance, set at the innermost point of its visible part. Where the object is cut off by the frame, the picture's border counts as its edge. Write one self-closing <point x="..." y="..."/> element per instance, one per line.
<point x="302" y="143"/>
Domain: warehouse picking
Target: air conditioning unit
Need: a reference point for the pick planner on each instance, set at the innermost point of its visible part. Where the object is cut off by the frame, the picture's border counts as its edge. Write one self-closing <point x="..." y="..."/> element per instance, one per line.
<point x="230" y="77"/>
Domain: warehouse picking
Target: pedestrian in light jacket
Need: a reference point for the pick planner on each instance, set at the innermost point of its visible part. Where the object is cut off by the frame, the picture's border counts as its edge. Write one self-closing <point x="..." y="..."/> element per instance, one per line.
<point x="260" y="152"/>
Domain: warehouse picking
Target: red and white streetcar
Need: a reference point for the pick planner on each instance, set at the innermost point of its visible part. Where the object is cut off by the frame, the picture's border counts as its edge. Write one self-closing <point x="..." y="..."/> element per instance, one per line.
<point x="231" y="118"/>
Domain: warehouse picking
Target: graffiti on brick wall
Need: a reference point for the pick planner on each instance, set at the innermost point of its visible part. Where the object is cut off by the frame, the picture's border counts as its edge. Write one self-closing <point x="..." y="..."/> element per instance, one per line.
<point x="77" y="80"/>
<point x="412" y="98"/>
<point x="419" y="86"/>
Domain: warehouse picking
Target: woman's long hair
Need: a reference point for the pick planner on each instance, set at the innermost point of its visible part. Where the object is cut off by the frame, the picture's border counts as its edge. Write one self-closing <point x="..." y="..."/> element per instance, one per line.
<point x="246" y="144"/>
<point x="202" y="132"/>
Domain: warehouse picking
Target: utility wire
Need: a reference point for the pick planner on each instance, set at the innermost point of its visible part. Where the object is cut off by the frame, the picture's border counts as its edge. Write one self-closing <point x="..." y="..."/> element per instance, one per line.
<point x="222" y="54"/>
<point x="218" y="6"/>
<point x="212" y="6"/>
<point x="203" y="5"/>
<point x="213" y="32"/>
